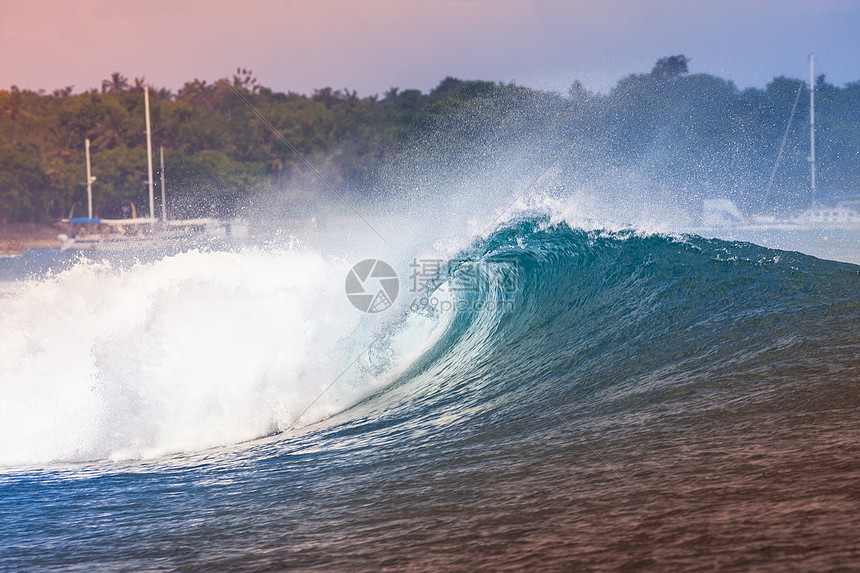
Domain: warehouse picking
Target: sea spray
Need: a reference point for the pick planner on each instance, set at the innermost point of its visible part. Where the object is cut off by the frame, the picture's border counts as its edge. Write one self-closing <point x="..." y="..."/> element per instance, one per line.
<point x="650" y="399"/>
<point x="187" y="352"/>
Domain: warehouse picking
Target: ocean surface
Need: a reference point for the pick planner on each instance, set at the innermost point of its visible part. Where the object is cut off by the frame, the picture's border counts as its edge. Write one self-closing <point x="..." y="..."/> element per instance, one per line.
<point x="539" y="397"/>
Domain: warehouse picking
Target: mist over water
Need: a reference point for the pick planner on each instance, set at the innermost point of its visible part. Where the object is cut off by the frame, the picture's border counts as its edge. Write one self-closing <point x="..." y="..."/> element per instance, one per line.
<point x="648" y="399"/>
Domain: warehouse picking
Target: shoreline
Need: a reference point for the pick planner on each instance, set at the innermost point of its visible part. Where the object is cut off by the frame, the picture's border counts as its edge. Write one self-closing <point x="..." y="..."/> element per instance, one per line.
<point x="29" y="236"/>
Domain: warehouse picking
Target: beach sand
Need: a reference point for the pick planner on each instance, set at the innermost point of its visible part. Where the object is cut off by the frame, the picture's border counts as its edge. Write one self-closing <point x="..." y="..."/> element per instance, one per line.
<point x="30" y="235"/>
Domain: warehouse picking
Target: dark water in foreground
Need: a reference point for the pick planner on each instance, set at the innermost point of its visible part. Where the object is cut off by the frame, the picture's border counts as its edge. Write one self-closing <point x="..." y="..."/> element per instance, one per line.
<point x="649" y="403"/>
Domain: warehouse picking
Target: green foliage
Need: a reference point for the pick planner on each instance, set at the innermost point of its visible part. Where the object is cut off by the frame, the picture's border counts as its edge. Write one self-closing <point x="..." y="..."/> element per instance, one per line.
<point x="120" y="177"/>
<point x="23" y="187"/>
<point x="212" y="181"/>
<point x="687" y="131"/>
<point x="670" y="67"/>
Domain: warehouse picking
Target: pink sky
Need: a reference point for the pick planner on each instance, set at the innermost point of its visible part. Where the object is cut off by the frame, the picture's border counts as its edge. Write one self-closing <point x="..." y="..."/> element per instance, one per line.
<point x="372" y="45"/>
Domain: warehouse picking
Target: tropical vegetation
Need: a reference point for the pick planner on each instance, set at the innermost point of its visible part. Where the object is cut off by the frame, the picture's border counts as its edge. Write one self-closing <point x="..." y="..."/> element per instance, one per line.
<point x="232" y="140"/>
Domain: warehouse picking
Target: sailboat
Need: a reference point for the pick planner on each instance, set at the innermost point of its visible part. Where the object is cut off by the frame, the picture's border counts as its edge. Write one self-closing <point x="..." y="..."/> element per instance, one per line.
<point x="843" y="215"/>
<point x="133" y="233"/>
<point x="831" y="232"/>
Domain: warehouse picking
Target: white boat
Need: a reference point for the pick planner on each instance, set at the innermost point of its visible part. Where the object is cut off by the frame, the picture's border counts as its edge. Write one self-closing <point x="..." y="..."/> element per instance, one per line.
<point x="825" y="231"/>
<point x="845" y="215"/>
<point x="139" y="233"/>
<point x="142" y="233"/>
<point x="722" y="214"/>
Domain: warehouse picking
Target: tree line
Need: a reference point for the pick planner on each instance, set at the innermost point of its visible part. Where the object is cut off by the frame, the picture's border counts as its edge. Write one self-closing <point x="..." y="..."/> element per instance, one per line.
<point x="695" y="134"/>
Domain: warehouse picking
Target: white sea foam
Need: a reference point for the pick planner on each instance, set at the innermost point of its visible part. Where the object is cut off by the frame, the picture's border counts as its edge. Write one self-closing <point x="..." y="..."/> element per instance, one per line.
<point x="189" y="352"/>
<point x="204" y="349"/>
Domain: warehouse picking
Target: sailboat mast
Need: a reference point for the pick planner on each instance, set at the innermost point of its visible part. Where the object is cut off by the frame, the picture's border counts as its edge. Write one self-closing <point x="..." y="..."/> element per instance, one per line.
<point x="90" y="179"/>
<point x="163" y="204"/>
<point x="149" y="153"/>
<point x="812" y="123"/>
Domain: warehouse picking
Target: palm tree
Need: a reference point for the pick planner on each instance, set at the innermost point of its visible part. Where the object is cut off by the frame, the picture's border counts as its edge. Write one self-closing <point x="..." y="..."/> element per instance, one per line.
<point x="139" y="84"/>
<point x="117" y="84"/>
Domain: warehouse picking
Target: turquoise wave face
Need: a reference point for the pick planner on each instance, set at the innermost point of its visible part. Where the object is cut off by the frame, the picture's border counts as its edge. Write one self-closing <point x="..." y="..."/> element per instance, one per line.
<point x="643" y="323"/>
<point x="594" y="401"/>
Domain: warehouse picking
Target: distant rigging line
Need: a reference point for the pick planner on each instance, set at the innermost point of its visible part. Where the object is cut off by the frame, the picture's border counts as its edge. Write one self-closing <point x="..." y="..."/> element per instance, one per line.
<point x="294" y="424"/>
<point x="781" y="147"/>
